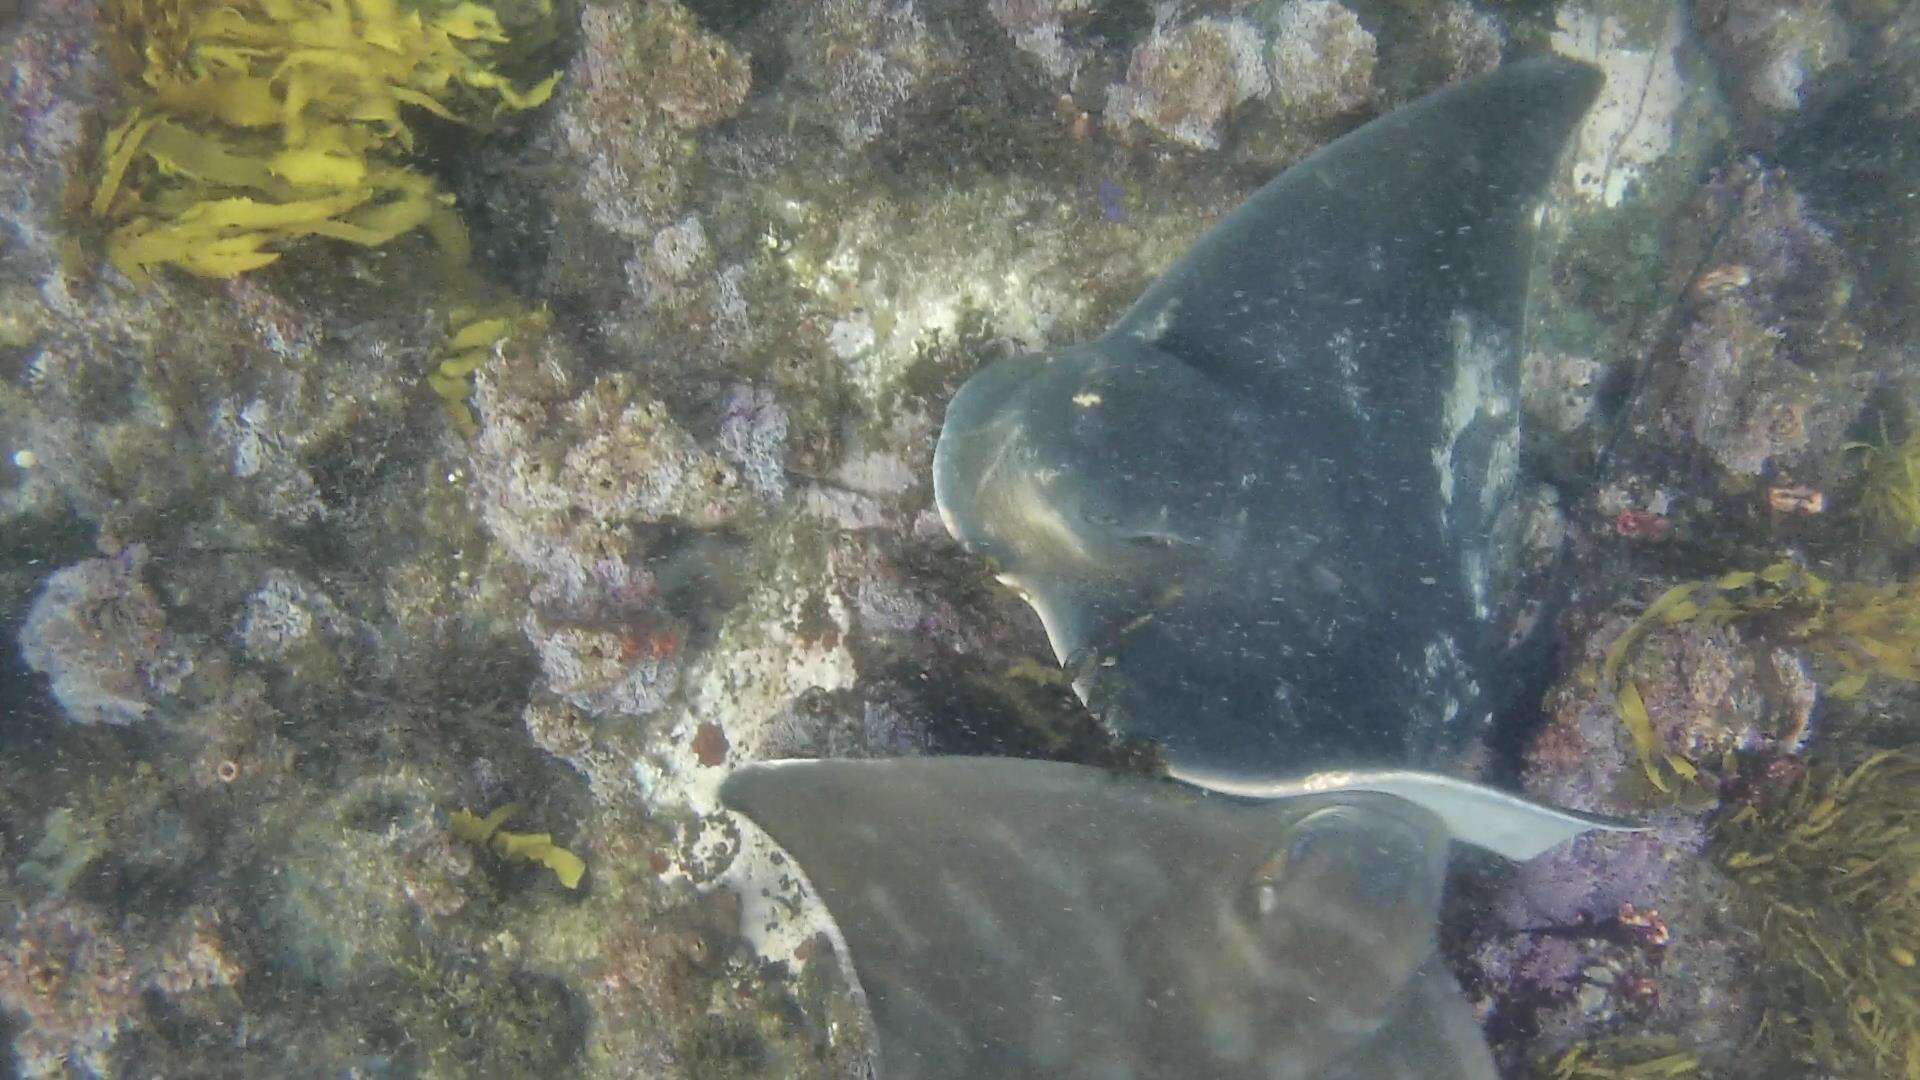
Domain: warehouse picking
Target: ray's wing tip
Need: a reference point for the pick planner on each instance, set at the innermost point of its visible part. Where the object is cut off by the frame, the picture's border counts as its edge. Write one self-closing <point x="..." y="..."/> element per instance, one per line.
<point x="746" y="789"/>
<point x="1581" y="79"/>
<point x="1550" y="85"/>
<point x="1576" y="74"/>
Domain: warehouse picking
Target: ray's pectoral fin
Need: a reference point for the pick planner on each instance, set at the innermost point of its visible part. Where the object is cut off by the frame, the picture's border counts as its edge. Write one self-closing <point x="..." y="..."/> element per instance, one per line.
<point x="1488" y="818"/>
<point x="1265" y="509"/>
<point x="1410" y="220"/>
<point x="1024" y="919"/>
<point x="1433" y="1037"/>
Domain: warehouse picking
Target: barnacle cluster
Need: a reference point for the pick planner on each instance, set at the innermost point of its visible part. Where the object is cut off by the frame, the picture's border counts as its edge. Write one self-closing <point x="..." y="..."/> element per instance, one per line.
<point x="1832" y="868"/>
<point x="1869" y="631"/>
<point x="259" y="123"/>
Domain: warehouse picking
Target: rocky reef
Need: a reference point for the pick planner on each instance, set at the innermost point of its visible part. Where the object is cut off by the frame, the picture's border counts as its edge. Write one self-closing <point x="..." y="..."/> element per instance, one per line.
<point x="563" y="443"/>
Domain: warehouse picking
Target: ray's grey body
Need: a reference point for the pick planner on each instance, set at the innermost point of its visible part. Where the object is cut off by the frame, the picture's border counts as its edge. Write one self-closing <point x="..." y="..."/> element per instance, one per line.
<point x="1266" y="517"/>
<point x="1025" y="919"/>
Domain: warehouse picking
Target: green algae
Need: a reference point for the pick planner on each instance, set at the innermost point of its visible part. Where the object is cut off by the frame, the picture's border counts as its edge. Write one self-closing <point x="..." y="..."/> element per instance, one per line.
<point x="467" y="1019"/>
<point x="1831" y="873"/>
<point x="1889" y="500"/>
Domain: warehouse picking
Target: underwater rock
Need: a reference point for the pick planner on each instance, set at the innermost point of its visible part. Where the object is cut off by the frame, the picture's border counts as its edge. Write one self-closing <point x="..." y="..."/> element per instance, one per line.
<point x="99" y="635"/>
<point x="202" y="413"/>
<point x="1589" y="879"/>
<point x="618" y="665"/>
<point x="81" y="985"/>
<point x="753" y="436"/>
<point x="644" y="77"/>
<point x="1182" y="82"/>
<point x="611" y="457"/>
<point x="1427" y="47"/>
<point x="246" y="432"/>
<point x="68" y="977"/>
<point x="1707" y="692"/>
<point x="566" y="475"/>
<point x="1636" y="929"/>
<point x="663" y="270"/>
<point x="570" y="734"/>
<point x="244" y="429"/>
<point x="861" y="723"/>
<point x="368" y="877"/>
<point x="1430" y="46"/>
<point x="1885" y="37"/>
<point x="570" y="485"/>
<point x="1613" y="931"/>
<point x="686" y="303"/>
<point x="1638" y="120"/>
<point x="868" y="58"/>
<point x="1764" y="375"/>
<point x="1322" y="60"/>
<point x="1771" y="55"/>
<point x="1558" y="390"/>
<point x="195" y="956"/>
<point x="57" y="77"/>
<point x="1701" y="687"/>
<point x="661" y="971"/>
<point x="286" y="614"/>
<point x="1038" y="28"/>
<point x="1469" y="40"/>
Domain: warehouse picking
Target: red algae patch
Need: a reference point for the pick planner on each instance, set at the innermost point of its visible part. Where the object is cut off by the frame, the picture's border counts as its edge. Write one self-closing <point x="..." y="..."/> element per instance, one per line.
<point x="710" y="745"/>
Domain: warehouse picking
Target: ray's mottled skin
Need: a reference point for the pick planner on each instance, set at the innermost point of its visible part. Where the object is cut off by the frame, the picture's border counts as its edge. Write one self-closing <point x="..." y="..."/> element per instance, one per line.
<point x="1262" y="520"/>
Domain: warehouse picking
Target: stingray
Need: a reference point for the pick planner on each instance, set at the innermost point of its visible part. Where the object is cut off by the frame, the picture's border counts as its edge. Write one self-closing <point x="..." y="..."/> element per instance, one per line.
<point x="1026" y="919"/>
<point x="1266" y="522"/>
<point x="1268" y="519"/>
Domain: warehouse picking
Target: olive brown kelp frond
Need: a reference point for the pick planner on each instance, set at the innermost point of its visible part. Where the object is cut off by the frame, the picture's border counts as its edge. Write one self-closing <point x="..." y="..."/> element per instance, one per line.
<point x="1620" y="1059"/>
<point x="1868" y="631"/>
<point x="259" y="123"/>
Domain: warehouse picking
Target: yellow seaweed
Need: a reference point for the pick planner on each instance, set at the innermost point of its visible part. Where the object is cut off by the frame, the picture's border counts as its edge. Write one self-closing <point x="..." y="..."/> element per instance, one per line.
<point x="1633" y="713"/>
<point x="252" y="113"/>
<point x="468" y="349"/>
<point x="540" y="848"/>
<point x="532" y="847"/>
<point x="1619" y="1059"/>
